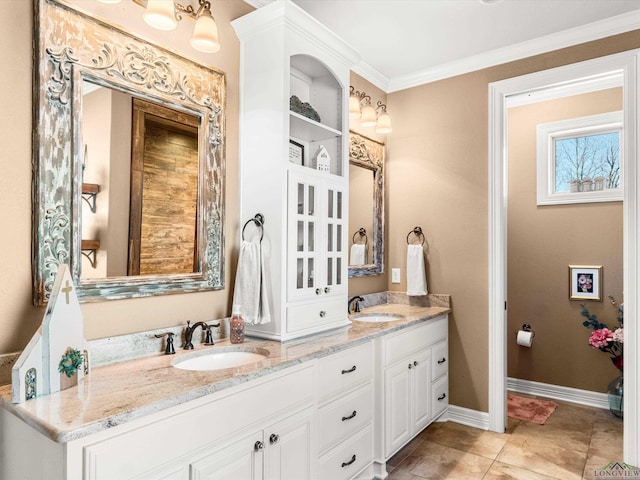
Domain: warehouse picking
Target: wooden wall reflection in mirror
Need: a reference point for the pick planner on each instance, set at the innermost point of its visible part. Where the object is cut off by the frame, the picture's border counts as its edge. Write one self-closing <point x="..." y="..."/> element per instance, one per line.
<point x="366" y="205"/>
<point x="90" y="182"/>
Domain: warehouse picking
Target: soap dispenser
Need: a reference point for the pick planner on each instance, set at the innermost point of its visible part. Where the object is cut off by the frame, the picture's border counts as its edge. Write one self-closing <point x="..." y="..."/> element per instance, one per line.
<point x="236" y="327"/>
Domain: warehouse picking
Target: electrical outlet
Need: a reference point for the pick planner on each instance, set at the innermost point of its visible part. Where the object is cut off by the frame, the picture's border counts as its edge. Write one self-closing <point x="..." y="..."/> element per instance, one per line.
<point x="395" y="275"/>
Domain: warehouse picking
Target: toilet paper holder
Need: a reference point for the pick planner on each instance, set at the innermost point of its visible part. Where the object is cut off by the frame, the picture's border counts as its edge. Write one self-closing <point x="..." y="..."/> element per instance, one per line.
<point x="527" y="328"/>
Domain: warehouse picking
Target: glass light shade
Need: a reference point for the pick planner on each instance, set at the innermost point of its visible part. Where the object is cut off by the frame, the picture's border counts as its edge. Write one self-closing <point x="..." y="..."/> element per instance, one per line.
<point x="354" y="107"/>
<point x="384" y="123"/>
<point x="160" y="14"/>
<point x="205" y="34"/>
<point x="368" y="116"/>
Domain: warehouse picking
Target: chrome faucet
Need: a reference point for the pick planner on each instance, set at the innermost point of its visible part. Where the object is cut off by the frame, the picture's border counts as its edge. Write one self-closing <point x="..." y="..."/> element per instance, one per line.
<point x="188" y="334"/>
<point x="353" y="305"/>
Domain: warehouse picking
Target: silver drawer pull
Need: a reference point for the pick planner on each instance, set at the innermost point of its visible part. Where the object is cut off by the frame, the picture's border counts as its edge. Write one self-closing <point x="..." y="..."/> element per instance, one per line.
<point x="346" y="464"/>
<point x="318" y="291"/>
<point x="442" y="397"/>
<point x="441" y="361"/>
<point x="327" y="289"/>
<point x="258" y="446"/>
<point x="344" y="419"/>
<point x="323" y="314"/>
<point x="352" y="369"/>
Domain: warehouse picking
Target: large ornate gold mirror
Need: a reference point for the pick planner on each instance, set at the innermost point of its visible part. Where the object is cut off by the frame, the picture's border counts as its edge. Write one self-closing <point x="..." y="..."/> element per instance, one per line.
<point x="128" y="159"/>
<point x="366" y="205"/>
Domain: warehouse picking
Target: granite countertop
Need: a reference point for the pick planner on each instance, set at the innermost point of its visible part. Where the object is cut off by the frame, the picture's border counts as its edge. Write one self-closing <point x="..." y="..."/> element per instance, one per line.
<point x="115" y="394"/>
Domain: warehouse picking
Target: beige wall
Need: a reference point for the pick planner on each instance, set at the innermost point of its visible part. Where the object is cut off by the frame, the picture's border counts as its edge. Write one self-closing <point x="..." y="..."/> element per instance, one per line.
<point x="437" y="178"/>
<point x="542" y="242"/>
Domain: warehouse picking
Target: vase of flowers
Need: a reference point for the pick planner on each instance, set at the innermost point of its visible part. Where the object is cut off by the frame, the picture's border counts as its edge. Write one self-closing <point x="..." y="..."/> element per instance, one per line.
<point x="610" y="342"/>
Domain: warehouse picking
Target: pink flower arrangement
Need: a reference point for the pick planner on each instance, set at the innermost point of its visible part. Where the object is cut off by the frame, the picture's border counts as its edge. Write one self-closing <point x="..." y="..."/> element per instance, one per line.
<point x="603" y="338"/>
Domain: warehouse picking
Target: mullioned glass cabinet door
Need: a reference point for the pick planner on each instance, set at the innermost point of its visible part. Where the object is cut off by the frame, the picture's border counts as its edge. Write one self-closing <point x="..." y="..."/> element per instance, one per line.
<point x="316" y="237"/>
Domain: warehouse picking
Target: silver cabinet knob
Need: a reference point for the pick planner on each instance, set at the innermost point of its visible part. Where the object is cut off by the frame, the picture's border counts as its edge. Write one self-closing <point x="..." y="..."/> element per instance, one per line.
<point x="327" y="289"/>
<point x="273" y="438"/>
<point x="258" y="446"/>
<point x="323" y="314"/>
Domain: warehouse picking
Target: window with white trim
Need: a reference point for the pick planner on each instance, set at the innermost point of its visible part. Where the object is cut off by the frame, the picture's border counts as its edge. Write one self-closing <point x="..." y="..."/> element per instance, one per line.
<point x="580" y="160"/>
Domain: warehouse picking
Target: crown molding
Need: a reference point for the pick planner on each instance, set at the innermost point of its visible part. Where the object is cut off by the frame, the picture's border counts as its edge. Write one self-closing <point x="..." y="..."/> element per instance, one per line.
<point x="585" y="33"/>
<point x="567" y="38"/>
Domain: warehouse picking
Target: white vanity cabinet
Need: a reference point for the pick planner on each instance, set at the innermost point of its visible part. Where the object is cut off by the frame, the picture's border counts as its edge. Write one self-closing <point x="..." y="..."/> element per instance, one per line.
<point x="262" y="430"/>
<point x="281" y="451"/>
<point x="415" y="362"/>
<point x="294" y="164"/>
<point x="345" y="413"/>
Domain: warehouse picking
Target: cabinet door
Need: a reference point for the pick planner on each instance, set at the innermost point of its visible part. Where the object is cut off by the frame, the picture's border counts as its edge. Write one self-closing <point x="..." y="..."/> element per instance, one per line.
<point x="241" y="460"/>
<point x="334" y="227"/>
<point x="290" y="448"/>
<point x="397" y="386"/>
<point x="421" y="390"/>
<point x="304" y="231"/>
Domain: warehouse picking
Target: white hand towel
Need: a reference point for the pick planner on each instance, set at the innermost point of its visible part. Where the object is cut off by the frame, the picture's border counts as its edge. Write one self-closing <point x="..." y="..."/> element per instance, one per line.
<point x="250" y="293"/>
<point x="358" y="254"/>
<point x="416" y="277"/>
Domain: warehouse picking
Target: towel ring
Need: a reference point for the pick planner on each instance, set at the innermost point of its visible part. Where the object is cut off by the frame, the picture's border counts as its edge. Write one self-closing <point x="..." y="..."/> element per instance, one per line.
<point x="363" y="233"/>
<point x="417" y="231"/>
<point x="258" y="220"/>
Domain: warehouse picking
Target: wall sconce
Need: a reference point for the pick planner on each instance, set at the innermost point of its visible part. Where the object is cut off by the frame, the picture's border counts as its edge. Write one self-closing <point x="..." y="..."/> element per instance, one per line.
<point x="165" y="15"/>
<point x="360" y="107"/>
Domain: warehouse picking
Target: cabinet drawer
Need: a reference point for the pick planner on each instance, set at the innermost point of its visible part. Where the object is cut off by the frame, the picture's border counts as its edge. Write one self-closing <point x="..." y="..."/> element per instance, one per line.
<point x="340" y="419"/>
<point x="312" y="315"/>
<point x="440" y="396"/>
<point x="410" y="340"/>
<point x="341" y="372"/>
<point x="349" y="457"/>
<point x="439" y="360"/>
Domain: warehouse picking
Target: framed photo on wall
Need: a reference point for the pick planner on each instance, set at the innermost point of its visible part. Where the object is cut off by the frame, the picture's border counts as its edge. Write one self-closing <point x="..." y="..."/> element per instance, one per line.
<point x="585" y="282"/>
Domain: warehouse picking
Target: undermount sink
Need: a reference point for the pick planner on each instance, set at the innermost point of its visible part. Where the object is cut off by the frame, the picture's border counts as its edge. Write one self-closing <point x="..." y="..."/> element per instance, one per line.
<point x="377" y="317"/>
<point x="221" y="358"/>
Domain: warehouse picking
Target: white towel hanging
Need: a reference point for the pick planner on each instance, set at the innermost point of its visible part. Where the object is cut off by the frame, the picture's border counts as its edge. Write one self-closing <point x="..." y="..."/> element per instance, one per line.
<point x="250" y="293"/>
<point x="416" y="277"/>
<point x="358" y="254"/>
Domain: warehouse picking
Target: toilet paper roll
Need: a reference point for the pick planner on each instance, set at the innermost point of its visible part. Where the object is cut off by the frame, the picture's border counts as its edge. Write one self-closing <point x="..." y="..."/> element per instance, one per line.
<point x="525" y="338"/>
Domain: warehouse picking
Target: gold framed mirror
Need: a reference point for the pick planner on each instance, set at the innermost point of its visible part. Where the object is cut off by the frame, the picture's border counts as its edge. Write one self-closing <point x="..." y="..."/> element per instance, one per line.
<point x="73" y="51"/>
<point x="366" y="205"/>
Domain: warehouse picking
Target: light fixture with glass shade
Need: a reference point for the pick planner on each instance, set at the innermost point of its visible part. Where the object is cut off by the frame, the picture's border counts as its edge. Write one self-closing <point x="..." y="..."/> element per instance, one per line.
<point x="165" y="15"/>
<point x="360" y="108"/>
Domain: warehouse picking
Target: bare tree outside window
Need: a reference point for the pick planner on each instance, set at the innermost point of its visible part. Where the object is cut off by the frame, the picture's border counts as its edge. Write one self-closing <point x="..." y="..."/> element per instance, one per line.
<point x="587" y="163"/>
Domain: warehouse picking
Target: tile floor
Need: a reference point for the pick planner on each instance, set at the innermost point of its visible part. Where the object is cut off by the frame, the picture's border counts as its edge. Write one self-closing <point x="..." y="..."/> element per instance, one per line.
<point x="574" y="443"/>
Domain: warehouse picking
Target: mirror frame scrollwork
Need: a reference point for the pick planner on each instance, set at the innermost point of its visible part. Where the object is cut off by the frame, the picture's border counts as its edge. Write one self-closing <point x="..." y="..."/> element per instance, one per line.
<point x="368" y="153"/>
<point x="70" y="47"/>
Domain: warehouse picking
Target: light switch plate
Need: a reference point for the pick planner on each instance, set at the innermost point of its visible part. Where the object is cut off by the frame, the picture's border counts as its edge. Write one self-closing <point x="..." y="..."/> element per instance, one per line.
<point x="395" y="275"/>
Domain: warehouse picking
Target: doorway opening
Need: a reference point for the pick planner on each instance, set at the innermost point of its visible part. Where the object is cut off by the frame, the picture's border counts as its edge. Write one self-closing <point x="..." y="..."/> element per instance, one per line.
<point x="555" y="81"/>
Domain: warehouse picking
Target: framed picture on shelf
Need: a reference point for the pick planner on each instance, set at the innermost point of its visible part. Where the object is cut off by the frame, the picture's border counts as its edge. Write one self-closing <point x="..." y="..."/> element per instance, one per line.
<point x="296" y="153"/>
<point x="585" y="282"/>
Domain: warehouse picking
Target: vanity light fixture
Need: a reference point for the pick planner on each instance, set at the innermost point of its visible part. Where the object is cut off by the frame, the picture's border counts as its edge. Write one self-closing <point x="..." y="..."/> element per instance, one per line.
<point x="360" y="107"/>
<point x="165" y="15"/>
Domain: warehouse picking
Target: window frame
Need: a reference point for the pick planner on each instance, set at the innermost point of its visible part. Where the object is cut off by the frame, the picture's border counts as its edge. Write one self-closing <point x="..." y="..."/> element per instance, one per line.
<point x="548" y="133"/>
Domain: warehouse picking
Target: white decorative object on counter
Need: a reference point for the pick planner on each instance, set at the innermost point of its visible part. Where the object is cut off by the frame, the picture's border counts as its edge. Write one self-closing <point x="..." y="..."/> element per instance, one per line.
<point x="322" y="160"/>
<point x="38" y="370"/>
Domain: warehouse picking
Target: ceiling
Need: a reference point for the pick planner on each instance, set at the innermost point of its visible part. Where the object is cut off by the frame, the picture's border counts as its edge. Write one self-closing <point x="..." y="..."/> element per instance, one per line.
<point x="404" y="43"/>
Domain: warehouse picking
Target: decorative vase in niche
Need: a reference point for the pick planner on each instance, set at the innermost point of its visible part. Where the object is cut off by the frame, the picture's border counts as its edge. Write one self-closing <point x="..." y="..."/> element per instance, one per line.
<point x="615" y="395"/>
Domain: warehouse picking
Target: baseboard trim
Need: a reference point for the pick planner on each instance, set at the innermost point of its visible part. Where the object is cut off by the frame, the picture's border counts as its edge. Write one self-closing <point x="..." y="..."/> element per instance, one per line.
<point x="466" y="416"/>
<point x="557" y="392"/>
<point x="477" y="419"/>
